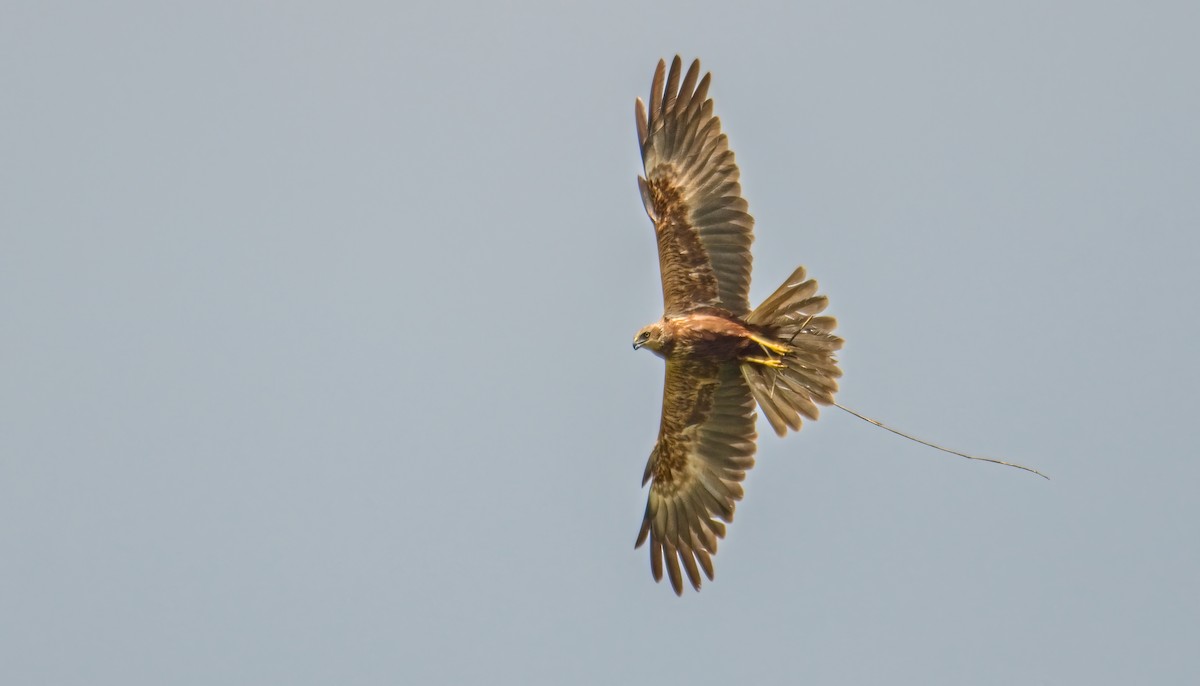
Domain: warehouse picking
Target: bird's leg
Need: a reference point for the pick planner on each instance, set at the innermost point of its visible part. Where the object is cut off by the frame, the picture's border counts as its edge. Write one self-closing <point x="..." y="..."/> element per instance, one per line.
<point x="770" y="346"/>
<point x="766" y="362"/>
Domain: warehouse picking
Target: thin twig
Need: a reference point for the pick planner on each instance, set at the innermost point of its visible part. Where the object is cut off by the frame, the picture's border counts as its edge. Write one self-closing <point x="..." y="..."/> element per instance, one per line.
<point x="936" y="446"/>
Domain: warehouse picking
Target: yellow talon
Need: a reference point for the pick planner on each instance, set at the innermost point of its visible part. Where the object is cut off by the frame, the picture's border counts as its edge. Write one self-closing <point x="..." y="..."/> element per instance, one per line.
<point x="772" y="346"/>
<point x="766" y="362"/>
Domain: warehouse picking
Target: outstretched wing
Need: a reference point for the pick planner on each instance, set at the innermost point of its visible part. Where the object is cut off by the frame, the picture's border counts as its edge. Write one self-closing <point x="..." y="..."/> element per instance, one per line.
<point x="692" y="195"/>
<point x="705" y="446"/>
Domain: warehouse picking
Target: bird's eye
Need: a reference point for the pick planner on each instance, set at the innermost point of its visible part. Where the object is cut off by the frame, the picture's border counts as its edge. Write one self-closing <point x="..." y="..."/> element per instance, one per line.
<point x="645" y="335"/>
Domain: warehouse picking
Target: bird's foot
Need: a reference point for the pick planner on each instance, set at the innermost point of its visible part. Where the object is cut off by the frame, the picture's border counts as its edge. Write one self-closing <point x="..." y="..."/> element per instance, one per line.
<point x="766" y="362"/>
<point x="772" y="346"/>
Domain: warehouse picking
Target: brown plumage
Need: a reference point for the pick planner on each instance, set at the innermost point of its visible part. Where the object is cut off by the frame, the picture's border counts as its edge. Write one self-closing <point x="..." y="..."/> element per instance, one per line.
<point x="721" y="357"/>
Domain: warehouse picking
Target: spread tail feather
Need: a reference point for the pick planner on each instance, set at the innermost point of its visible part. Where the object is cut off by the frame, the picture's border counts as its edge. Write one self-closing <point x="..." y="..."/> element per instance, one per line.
<point x="790" y="317"/>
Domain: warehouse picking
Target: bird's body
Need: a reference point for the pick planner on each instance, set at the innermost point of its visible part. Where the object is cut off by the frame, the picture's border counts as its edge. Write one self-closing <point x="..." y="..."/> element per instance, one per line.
<point x="722" y="358"/>
<point x="714" y="335"/>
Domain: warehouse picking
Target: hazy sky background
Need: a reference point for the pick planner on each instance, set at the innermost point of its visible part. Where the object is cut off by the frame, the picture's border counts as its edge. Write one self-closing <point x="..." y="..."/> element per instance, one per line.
<point x="315" y="364"/>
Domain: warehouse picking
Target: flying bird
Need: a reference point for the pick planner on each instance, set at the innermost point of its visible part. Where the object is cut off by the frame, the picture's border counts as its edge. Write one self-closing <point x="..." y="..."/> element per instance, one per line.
<point x="722" y="358"/>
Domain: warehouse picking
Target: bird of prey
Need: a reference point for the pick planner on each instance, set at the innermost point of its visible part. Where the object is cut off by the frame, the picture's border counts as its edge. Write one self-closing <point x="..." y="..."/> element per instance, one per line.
<point x="721" y="357"/>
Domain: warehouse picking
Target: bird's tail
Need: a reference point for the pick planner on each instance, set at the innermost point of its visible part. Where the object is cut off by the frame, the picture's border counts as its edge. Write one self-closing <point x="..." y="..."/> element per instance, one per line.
<point x="798" y="368"/>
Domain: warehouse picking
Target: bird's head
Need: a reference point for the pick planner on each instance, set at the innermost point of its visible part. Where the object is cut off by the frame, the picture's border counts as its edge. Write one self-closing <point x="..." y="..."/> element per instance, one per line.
<point x="651" y="336"/>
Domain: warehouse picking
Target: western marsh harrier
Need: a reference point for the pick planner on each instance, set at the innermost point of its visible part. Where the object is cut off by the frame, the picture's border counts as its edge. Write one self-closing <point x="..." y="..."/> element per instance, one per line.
<point x="721" y="356"/>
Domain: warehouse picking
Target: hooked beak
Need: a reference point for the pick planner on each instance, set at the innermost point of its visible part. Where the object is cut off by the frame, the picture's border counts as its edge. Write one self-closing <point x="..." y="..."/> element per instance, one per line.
<point x="637" y="344"/>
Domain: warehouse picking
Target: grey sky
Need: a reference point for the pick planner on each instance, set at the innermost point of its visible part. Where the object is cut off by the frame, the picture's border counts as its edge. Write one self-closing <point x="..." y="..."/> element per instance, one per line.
<point x="316" y="366"/>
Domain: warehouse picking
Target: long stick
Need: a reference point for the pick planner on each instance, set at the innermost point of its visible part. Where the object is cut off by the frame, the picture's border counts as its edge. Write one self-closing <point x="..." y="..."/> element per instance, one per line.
<point x="936" y="446"/>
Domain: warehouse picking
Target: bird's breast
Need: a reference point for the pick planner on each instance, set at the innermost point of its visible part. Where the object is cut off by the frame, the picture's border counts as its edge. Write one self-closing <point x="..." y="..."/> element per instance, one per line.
<point x="707" y="336"/>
